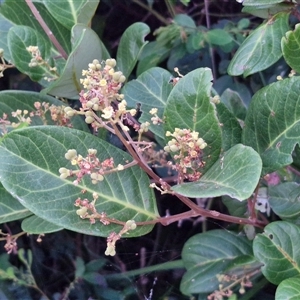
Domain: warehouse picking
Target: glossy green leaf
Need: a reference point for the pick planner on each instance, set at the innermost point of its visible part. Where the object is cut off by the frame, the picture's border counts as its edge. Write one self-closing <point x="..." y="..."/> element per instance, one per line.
<point x="70" y="13"/>
<point x="131" y="45"/>
<point x="204" y="259"/>
<point x="218" y="37"/>
<point x="273" y="122"/>
<point x="261" y="49"/>
<point x="11" y="101"/>
<point x="21" y="37"/>
<point x="230" y="127"/>
<point x="288" y="289"/>
<point x="36" y="225"/>
<point x="277" y="248"/>
<point x="234" y="103"/>
<point x="31" y="159"/>
<point x="10" y="8"/>
<point x="84" y="40"/>
<point x="10" y="208"/>
<point x="235" y="174"/>
<point x="151" y="90"/>
<point x="291" y="48"/>
<point x="189" y="107"/>
<point x="284" y="200"/>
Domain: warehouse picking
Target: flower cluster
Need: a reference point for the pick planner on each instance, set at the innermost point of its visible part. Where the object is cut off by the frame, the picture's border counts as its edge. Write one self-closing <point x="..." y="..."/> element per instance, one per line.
<point x="102" y="84"/>
<point x="187" y="149"/>
<point x="87" y="210"/>
<point x="37" y="60"/>
<point x="89" y="165"/>
<point x="57" y="113"/>
<point x="114" y="237"/>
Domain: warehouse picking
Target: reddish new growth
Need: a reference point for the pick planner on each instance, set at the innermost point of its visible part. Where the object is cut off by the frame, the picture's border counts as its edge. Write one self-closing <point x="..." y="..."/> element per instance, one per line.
<point x="187" y="148"/>
<point x="89" y="165"/>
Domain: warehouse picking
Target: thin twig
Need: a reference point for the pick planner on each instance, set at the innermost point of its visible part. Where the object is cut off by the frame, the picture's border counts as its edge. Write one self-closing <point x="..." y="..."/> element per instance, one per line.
<point x="47" y="30"/>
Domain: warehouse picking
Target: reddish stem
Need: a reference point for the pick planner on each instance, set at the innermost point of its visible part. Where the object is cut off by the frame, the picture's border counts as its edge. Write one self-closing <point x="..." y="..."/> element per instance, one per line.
<point x="47" y="30"/>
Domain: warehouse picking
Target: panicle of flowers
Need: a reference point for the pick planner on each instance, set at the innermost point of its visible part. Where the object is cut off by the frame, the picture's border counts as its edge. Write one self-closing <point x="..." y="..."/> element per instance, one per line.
<point x="89" y="165"/>
<point x="23" y="116"/>
<point x="10" y="241"/>
<point x="101" y="97"/>
<point x="187" y="149"/>
<point x="87" y="210"/>
<point x="155" y="119"/>
<point x="229" y="282"/>
<point x="57" y="113"/>
<point x="114" y="237"/>
<point x="37" y="60"/>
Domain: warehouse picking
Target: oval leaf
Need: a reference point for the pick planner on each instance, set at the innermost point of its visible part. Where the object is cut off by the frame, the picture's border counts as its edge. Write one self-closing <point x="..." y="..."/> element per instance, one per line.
<point x="189" y="107"/>
<point x="291" y="48"/>
<point x="31" y="159"/>
<point x="10" y="208"/>
<point x="204" y="259"/>
<point x="236" y="174"/>
<point x="20" y="37"/>
<point x="10" y="10"/>
<point x="284" y="200"/>
<point x="277" y="248"/>
<point x="261" y="49"/>
<point x="36" y="225"/>
<point x="131" y="45"/>
<point x="151" y="90"/>
<point x="11" y="101"/>
<point x="231" y="129"/>
<point x="288" y="289"/>
<point x="69" y="13"/>
<point x="272" y="124"/>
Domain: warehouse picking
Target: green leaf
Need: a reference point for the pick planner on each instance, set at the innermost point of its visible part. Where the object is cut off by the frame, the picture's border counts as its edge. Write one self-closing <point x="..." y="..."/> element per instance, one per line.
<point x="153" y="53"/>
<point x="131" y="45"/>
<point x="277" y="249"/>
<point x="5" y="25"/>
<point x="10" y="8"/>
<point x="11" y="101"/>
<point x="31" y="159"/>
<point x="260" y="2"/>
<point x="284" y="200"/>
<point x="218" y="37"/>
<point x="20" y="37"/>
<point x="204" y="259"/>
<point x="10" y="208"/>
<point x="36" y="225"/>
<point x="291" y="49"/>
<point x="151" y="90"/>
<point x="235" y="174"/>
<point x="273" y="122"/>
<point x="265" y="11"/>
<point x="234" y="103"/>
<point x="189" y="107"/>
<point x="84" y="40"/>
<point x="235" y="207"/>
<point x="231" y="129"/>
<point x="70" y="13"/>
<point x="288" y="289"/>
<point x="261" y="49"/>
